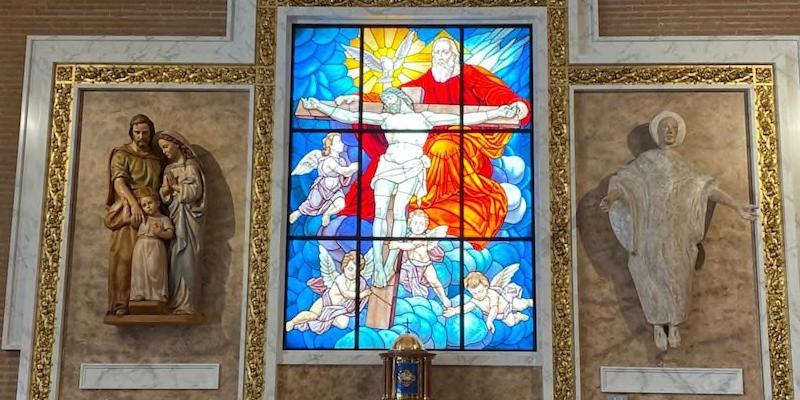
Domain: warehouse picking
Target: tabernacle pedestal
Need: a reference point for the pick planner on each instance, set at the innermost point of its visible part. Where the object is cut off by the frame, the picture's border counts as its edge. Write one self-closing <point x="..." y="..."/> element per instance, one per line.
<point x="406" y="370"/>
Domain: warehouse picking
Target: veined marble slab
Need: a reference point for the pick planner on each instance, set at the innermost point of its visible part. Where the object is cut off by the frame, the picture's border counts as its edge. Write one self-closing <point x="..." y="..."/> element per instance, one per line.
<point x="671" y="380"/>
<point x="150" y="376"/>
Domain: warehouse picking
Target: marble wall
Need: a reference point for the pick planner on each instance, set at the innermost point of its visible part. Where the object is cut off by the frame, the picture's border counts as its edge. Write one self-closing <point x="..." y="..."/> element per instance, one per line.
<point x="722" y="329"/>
<point x="335" y="382"/>
<point x="217" y="124"/>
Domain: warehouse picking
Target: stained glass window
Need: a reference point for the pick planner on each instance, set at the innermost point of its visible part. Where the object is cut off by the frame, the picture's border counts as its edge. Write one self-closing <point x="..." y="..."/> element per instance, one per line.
<point x="410" y="188"/>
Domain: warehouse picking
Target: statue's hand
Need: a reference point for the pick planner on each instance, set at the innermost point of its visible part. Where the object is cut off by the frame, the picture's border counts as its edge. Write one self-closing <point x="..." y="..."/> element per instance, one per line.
<point x="508" y="111"/>
<point x="521" y="109"/>
<point x="748" y="211"/>
<point x="605" y="205"/>
<point x="154" y="228"/>
<point x="611" y="197"/>
<point x="137" y="215"/>
<point x="346" y="99"/>
<point x="171" y="180"/>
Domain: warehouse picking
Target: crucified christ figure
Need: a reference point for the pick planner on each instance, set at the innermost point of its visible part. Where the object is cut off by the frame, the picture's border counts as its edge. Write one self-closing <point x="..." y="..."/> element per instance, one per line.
<point x="400" y="174"/>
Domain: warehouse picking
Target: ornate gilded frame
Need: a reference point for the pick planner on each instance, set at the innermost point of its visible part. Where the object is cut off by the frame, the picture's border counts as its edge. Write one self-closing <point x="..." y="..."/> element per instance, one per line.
<point x="761" y="79"/>
<point x="67" y="78"/>
<point x="262" y="76"/>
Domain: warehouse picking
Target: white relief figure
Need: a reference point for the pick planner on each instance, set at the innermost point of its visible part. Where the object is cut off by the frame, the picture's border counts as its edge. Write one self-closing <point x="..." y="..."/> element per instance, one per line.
<point x="400" y="173"/>
<point x="498" y="299"/>
<point x="657" y="208"/>
<point x="417" y="272"/>
<point x="385" y="65"/>
<point x="337" y="304"/>
<point x="334" y="175"/>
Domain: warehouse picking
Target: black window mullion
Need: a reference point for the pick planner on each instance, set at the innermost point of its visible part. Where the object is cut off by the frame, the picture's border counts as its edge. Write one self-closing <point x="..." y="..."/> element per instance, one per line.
<point x="359" y="137"/>
<point x="461" y="185"/>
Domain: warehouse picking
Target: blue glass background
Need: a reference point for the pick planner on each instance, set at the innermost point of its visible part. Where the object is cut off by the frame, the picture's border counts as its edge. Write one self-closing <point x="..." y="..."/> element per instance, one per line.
<point x="319" y="70"/>
<point x="490" y="261"/>
<point x="503" y="51"/>
<point x="302" y="264"/>
<point x="300" y="185"/>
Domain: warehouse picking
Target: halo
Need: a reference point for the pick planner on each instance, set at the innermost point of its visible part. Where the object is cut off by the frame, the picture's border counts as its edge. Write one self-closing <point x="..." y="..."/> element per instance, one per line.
<point x="657" y="120"/>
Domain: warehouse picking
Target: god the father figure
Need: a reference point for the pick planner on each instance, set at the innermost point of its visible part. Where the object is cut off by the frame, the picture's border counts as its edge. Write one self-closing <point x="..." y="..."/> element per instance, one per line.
<point x="657" y="207"/>
<point x="132" y="166"/>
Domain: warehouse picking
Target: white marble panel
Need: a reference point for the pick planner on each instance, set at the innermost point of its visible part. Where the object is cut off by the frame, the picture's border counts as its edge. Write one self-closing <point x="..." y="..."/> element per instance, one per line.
<point x="726" y="381"/>
<point x="536" y="17"/>
<point x="150" y="376"/>
<point x="587" y="47"/>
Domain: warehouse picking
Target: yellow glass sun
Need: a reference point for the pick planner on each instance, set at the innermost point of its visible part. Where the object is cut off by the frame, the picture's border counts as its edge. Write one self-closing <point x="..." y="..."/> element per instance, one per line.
<point x="383" y="66"/>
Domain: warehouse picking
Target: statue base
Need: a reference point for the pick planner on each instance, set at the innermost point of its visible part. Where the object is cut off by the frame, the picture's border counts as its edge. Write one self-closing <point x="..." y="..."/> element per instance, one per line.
<point x="154" y="320"/>
<point x="147" y="307"/>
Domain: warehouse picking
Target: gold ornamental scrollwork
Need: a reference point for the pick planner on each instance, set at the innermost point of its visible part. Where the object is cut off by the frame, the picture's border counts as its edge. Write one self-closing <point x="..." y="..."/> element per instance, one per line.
<point x="760" y="79"/>
<point x="53" y="227"/>
<point x="651" y="75"/>
<point x="174" y="74"/>
<point x="562" y="317"/>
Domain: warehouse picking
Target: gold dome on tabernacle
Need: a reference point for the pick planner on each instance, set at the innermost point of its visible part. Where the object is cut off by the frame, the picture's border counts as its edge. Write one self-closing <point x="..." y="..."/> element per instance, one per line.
<point x="407" y="341"/>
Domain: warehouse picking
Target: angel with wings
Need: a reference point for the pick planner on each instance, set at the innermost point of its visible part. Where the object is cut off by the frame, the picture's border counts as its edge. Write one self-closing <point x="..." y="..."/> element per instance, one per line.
<point x="337" y="303"/>
<point x="499" y="299"/>
<point x="385" y="65"/>
<point x="334" y="175"/>
<point x="417" y="273"/>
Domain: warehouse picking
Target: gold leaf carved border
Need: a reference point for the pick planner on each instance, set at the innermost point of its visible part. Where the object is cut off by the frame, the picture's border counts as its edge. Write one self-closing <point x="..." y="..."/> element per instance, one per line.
<point x="760" y="78"/>
<point x="67" y="77"/>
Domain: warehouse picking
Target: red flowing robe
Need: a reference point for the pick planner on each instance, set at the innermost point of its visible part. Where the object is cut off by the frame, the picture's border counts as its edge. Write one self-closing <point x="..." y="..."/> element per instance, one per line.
<point x="485" y="202"/>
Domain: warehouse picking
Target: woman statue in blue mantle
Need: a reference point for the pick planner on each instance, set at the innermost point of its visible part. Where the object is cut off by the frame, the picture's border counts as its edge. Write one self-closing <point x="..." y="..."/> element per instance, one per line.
<point x="183" y="192"/>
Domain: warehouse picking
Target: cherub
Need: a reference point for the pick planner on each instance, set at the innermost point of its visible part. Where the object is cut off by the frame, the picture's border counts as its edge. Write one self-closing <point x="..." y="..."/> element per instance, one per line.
<point x="334" y="174"/>
<point x="338" y="301"/>
<point x="416" y="268"/>
<point x="385" y="65"/>
<point x="499" y="299"/>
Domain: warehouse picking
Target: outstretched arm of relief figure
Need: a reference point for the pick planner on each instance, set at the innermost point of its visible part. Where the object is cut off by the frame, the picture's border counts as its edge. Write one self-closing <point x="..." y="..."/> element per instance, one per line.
<point x="746" y="211"/>
<point x="612" y="196"/>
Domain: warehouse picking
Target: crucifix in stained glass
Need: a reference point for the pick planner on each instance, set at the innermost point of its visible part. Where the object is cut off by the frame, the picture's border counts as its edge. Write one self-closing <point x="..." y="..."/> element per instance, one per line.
<point x="424" y="175"/>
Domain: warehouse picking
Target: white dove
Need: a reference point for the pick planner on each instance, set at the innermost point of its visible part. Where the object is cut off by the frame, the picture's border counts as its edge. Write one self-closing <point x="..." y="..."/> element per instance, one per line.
<point x="385" y="65"/>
